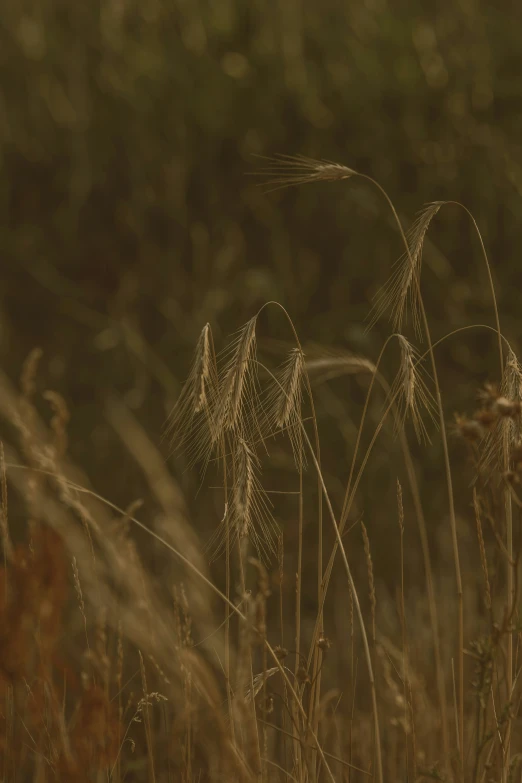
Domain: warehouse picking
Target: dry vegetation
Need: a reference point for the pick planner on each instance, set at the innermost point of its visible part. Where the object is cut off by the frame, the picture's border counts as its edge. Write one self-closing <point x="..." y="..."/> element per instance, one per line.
<point x="272" y="651"/>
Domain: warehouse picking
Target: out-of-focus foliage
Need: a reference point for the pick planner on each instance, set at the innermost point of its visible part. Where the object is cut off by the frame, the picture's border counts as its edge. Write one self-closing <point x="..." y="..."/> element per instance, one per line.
<point x="128" y="216"/>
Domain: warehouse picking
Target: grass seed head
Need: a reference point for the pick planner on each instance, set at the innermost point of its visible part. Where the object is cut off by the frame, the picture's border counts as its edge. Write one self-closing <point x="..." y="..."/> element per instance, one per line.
<point x="284" y="402"/>
<point x="189" y="424"/>
<point x="249" y="515"/>
<point x="469" y="429"/>
<point x="403" y="285"/>
<point x="283" y="171"/>
<point x="237" y="392"/>
<point x="203" y="370"/>
<point x="505" y="404"/>
<point x="414" y="398"/>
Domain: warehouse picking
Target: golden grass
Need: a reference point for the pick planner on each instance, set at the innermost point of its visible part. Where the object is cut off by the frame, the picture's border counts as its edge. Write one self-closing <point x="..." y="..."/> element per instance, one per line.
<point x="115" y="667"/>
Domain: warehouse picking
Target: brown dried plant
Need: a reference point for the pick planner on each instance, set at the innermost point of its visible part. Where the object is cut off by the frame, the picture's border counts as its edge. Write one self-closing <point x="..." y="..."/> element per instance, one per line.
<point x="284" y="402"/>
<point x="410" y="280"/>
<point x="411" y="391"/>
<point x="500" y="417"/>
<point x="285" y="171"/>
<point x="237" y="391"/>
<point x="66" y="721"/>
<point x="248" y="514"/>
<point x="404" y="283"/>
<point x="371" y="578"/>
<point x="190" y="423"/>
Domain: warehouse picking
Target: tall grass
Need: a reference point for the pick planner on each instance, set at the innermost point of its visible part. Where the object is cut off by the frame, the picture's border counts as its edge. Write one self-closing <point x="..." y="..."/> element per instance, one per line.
<point x="118" y="666"/>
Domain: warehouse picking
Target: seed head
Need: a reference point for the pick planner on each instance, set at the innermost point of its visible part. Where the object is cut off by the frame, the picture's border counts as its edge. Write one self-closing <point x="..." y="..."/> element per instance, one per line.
<point x="285" y="171"/>
<point x="324" y="643"/>
<point x="469" y="429"/>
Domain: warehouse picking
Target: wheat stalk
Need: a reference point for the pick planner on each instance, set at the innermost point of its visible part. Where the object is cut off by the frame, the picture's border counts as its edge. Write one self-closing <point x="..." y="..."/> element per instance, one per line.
<point x="371" y="579"/>
<point x="482" y="550"/>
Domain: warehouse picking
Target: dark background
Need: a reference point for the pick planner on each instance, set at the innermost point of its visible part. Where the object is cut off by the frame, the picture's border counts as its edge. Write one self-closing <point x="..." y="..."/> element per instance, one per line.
<point x="129" y="216"/>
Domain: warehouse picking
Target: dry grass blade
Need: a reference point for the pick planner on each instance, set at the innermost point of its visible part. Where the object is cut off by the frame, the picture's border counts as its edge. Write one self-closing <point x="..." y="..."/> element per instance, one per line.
<point x="173" y="523"/>
<point x="404" y="283"/>
<point x="413" y="396"/>
<point x="249" y="513"/>
<point x="285" y="171"/>
<point x="482" y="550"/>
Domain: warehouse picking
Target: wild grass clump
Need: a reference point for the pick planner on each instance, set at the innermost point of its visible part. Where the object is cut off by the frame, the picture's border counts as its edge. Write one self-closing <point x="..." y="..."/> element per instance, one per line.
<point x="295" y="656"/>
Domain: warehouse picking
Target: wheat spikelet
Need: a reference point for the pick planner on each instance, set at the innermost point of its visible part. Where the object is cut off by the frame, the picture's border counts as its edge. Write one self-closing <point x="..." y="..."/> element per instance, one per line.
<point x="284" y="402"/>
<point x="189" y="423"/>
<point x="249" y="514"/>
<point x="244" y="485"/>
<point x="237" y="393"/>
<point x="290" y="170"/>
<point x="211" y="402"/>
<point x="510" y="393"/>
<point x="290" y="397"/>
<point x="202" y="369"/>
<point x="413" y="396"/>
<point x="401" y="286"/>
<point x="512" y="389"/>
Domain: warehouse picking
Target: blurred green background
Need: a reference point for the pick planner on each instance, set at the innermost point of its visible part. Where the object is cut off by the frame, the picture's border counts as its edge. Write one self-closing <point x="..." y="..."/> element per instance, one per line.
<point x="129" y="215"/>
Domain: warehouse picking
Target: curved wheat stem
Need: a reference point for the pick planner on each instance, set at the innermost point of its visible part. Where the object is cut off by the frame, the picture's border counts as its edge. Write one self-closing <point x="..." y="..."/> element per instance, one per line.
<point x="453" y="523"/>
<point x="353" y="364"/>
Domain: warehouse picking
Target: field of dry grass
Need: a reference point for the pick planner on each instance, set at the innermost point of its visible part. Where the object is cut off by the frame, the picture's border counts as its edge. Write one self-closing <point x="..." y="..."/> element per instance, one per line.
<point x="260" y="429"/>
<point x="271" y="649"/>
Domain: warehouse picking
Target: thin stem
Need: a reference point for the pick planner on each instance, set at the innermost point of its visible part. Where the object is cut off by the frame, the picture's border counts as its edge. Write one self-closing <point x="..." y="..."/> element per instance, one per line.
<point x="351" y="583"/>
<point x="316" y="670"/>
<point x="227" y="592"/>
<point x="208" y="583"/>
<point x="297" y="743"/>
<point x="432" y="603"/>
<point x="449" y="480"/>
